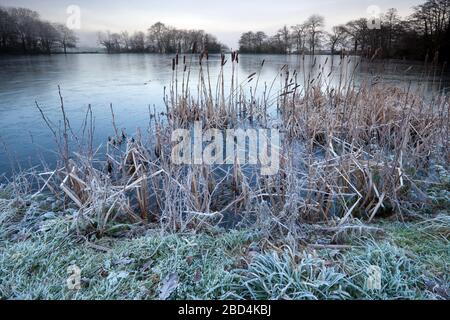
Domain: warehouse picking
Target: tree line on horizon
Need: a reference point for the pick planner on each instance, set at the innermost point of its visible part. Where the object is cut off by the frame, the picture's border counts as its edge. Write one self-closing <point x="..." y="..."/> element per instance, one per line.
<point x="23" y="31"/>
<point x="425" y="32"/>
<point x="161" y="38"/>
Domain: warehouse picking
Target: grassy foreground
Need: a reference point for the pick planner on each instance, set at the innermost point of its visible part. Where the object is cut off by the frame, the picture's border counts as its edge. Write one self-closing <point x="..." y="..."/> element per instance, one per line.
<point x="37" y="248"/>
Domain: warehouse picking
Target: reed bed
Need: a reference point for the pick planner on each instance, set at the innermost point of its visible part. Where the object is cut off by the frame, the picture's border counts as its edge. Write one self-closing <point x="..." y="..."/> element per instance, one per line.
<point x="357" y="150"/>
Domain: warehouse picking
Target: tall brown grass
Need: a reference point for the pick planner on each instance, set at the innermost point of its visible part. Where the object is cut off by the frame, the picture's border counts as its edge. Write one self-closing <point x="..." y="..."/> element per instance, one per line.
<point x="353" y="150"/>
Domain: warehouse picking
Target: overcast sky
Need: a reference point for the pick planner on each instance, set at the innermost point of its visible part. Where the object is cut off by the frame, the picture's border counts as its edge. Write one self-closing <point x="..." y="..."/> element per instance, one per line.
<point x="225" y="19"/>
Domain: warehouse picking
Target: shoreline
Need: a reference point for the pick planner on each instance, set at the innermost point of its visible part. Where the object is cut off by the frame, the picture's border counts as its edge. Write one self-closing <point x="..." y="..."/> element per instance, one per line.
<point x="388" y="60"/>
<point x="135" y="262"/>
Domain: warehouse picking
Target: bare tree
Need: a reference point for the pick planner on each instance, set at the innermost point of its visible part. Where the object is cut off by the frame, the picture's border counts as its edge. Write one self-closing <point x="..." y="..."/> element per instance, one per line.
<point x="337" y="37"/>
<point x="157" y="37"/>
<point x="391" y="22"/>
<point x="137" y="42"/>
<point x="67" y="38"/>
<point x="105" y="40"/>
<point x="432" y="19"/>
<point x="358" y="32"/>
<point x="314" y="24"/>
<point x="260" y="38"/>
<point x="47" y="36"/>
<point x="125" y="41"/>
<point x="6" y="29"/>
<point x="284" y="38"/>
<point x="246" y="42"/>
<point x="25" y="25"/>
<point x="299" y="33"/>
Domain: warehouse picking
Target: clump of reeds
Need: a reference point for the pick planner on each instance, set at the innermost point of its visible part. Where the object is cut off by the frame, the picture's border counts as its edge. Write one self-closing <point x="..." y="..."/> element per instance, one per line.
<point x="348" y="151"/>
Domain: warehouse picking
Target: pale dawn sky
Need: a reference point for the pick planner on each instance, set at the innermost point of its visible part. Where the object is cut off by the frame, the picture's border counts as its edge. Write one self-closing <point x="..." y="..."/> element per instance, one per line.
<point x="225" y="19"/>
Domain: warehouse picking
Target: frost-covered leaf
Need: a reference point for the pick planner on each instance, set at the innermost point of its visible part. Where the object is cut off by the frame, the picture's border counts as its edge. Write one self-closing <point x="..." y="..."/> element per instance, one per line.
<point x="169" y="286"/>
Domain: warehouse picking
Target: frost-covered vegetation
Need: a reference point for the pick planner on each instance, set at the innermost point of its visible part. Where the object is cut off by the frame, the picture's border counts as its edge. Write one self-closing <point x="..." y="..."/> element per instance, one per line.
<point x="137" y="263"/>
<point x="363" y="182"/>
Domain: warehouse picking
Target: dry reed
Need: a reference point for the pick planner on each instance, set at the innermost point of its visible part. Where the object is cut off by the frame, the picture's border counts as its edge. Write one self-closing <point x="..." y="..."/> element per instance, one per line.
<point x="355" y="150"/>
